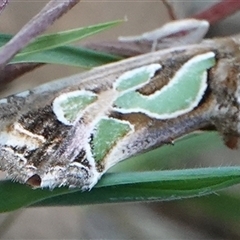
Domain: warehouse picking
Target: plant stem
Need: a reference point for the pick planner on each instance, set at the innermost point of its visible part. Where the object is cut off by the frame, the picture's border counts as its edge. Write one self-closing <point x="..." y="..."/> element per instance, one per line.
<point x="3" y="4"/>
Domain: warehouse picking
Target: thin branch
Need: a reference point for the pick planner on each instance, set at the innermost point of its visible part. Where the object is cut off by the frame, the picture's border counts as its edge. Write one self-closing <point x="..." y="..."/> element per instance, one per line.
<point x="13" y="71"/>
<point x="170" y="10"/>
<point x="123" y="49"/>
<point x="3" y="4"/>
<point x="219" y="11"/>
<point x="38" y="24"/>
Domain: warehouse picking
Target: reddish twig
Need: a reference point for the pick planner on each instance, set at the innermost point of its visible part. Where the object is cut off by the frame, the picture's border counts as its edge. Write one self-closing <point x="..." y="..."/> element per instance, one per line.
<point x="219" y="11"/>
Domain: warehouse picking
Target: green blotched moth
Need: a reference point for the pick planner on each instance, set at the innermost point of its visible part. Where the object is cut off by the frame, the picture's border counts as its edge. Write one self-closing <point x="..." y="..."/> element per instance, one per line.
<point x="71" y="131"/>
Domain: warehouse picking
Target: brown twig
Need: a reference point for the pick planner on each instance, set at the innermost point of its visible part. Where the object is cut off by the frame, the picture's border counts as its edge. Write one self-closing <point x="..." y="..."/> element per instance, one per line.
<point x="13" y="71"/>
<point x="219" y="11"/>
<point x="123" y="49"/>
<point x="3" y="4"/>
<point x="51" y="12"/>
<point x="170" y="10"/>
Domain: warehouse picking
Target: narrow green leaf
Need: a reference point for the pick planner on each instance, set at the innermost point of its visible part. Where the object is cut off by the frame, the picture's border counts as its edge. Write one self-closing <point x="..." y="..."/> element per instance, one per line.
<point x="122" y="187"/>
<point x="68" y="55"/>
<point x="65" y="55"/>
<point x="16" y="195"/>
<point x="152" y="186"/>
<point x="50" y="41"/>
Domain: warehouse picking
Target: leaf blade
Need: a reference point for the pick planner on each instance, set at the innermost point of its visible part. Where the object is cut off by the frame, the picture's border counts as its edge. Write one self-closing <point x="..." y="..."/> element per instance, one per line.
<point x="50" y="41"/>
<point x="125" y="187"/>
<point x="68" y="55"/>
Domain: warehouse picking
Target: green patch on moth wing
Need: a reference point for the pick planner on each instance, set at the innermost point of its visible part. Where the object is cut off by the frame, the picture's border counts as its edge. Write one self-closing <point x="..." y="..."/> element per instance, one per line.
<point x="108" y="131"/>
<point x="136" y="77"/>
<point x="179" y="96"/>
<point x="68" y="106"/>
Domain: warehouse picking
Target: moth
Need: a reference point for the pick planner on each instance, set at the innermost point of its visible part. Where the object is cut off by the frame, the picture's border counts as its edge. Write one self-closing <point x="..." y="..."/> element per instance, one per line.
<point x="71" y="131"/>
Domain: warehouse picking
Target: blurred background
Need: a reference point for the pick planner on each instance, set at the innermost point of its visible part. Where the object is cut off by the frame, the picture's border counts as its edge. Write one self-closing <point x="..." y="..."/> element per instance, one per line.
<point x="211" y="217"/>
